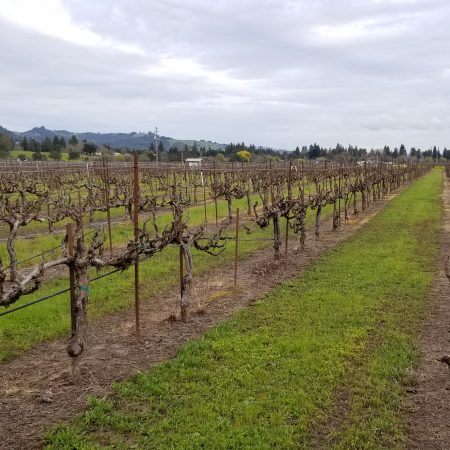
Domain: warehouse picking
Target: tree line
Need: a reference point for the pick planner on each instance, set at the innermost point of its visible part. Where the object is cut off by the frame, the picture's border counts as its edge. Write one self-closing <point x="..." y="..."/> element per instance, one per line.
<point x="241" y="152"/>
<point x="233" y="152"/>
<point x="47" y="148"/>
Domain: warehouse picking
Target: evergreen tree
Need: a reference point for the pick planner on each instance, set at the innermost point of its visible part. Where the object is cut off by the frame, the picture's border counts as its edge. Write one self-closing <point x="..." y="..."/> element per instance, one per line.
<point x="6" y="145"/>
<point x="314" y="151"/>
<point x="35" y="146"/>
<point x="25" y="144"/>
<point x="89" y="148"/>
<point x="55" y="143"/>
<point x="46" y="145"/>
<point x="73" y="140"/>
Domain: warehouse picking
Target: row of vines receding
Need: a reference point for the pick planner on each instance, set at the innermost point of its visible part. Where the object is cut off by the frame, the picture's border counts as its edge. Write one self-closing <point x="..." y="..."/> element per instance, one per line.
<point x="148" y="192"/>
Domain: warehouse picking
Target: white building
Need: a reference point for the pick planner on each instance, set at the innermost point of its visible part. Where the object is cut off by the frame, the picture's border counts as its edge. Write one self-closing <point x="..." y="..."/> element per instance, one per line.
<point x="193" y="162"/>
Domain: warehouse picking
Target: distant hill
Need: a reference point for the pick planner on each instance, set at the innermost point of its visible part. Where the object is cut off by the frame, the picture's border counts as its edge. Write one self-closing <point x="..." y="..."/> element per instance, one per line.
<point x="136" y="141"/>
<point x="11" y="134"/>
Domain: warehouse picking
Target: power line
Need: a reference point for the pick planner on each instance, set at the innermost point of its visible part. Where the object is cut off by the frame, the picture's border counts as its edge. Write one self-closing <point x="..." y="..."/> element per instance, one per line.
<point x="157" y="145"/>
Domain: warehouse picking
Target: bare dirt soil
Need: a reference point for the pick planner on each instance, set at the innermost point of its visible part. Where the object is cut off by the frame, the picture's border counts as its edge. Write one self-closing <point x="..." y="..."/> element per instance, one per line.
<point x="36" y="389"/>
<point x="429" y="402"/>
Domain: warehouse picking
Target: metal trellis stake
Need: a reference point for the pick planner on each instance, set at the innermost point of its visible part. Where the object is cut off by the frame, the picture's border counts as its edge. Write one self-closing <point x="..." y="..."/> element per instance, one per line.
<point x="136" y="242"/>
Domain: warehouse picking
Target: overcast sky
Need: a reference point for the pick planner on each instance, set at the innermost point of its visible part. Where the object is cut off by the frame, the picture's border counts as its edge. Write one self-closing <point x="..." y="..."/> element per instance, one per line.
<point x="279" y="73"/>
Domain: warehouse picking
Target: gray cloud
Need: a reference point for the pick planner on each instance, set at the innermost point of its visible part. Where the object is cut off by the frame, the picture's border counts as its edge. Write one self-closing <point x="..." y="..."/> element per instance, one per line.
<point x="279" y="73"/>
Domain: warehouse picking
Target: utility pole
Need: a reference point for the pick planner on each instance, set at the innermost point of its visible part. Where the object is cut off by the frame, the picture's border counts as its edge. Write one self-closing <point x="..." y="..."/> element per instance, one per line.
<point x="157" y="144"/>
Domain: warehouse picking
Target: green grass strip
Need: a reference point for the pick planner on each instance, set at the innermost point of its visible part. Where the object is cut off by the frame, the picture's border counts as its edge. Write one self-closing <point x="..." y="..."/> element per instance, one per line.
<point x="269" y="377"/>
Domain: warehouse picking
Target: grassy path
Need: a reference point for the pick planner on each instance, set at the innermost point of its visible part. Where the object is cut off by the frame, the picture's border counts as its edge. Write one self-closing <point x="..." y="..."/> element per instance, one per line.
<point x="340" y="338"/>
<point x="428" y="407"/>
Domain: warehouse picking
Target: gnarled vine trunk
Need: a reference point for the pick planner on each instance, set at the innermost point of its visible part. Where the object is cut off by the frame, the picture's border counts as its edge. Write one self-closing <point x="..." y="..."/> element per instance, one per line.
<point x="13" y="228"/>
<point x="317" y="226"/>
<point x="230" y="208"/>
<point x="355" y="203"/>
<point x="249" y="204"/>
<point x="335" y="216"/>
<point x="277" y="233"/>
<point x="186" y="282"/>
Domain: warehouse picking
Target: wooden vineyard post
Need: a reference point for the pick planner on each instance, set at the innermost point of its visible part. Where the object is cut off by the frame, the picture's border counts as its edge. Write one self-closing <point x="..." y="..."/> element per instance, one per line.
<point x="286" y="243"/>
<point x="186" y="185"/>
<point x="236" y="248"/>
<point x="181" y="272"/>
<point x="204" y="197"/>
<point x="215" y="196"/>
<point x="75" y="369"/>
<point x="289" y="181"/>
<point x="271" y="182"/>
<point x="136" y="242"/>
<point x="48" y="217"/>
<point x="108" y="211"/>
<point x="69" y="234"/>
<point x="217" y="213"/>
<point x="363" y="193"/>
<point x="303" y="182"/>
<point x="80" y="205"/>
<point x="339" y="199"/>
